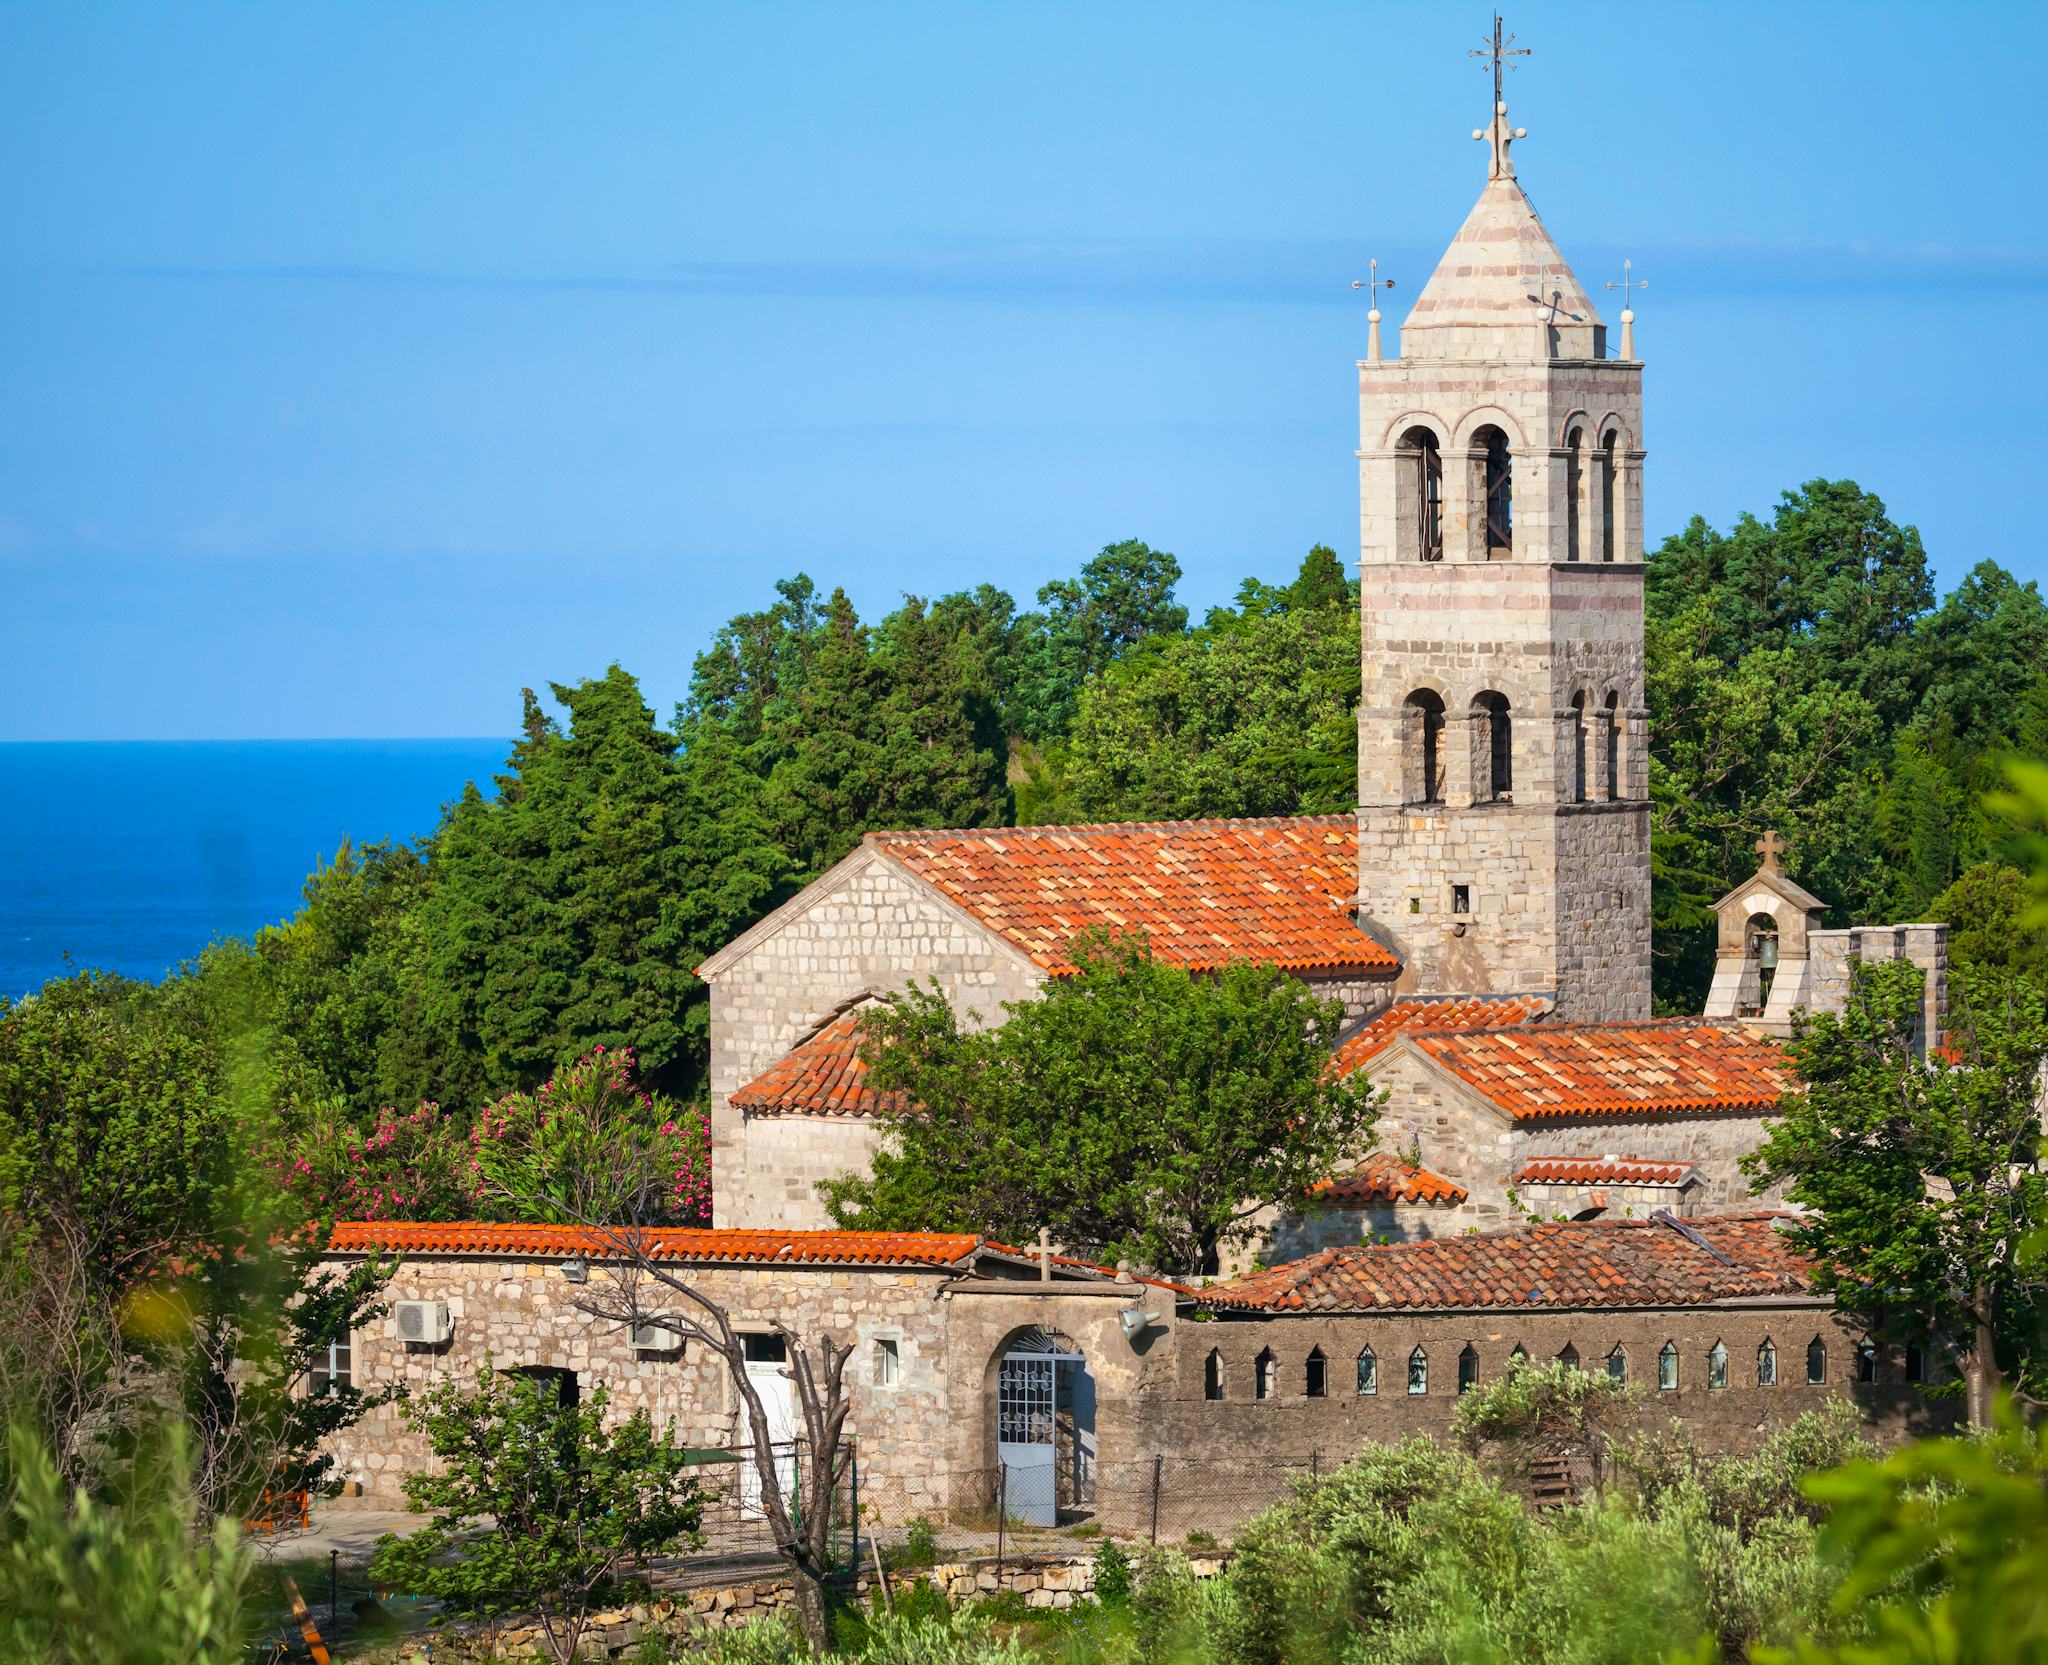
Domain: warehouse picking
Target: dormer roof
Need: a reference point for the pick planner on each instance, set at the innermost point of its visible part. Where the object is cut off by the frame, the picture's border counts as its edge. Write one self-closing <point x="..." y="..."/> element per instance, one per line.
<point x="1497" y="283"/>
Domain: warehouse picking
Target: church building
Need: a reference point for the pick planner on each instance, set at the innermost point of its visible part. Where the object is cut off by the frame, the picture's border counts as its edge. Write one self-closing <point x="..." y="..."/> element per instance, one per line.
<point x="1556" y="1168"/>
<point x="1484" y="916"/>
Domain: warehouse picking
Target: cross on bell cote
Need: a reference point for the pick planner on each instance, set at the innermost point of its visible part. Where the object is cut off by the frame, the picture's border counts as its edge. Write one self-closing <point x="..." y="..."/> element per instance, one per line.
<point x="1771" y="847"/>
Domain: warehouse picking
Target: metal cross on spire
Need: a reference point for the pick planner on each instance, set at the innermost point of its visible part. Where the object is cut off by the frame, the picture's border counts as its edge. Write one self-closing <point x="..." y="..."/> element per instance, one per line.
<point x="1499" y="49"/>
<point x="1628" y="285"/>
<point x="1372" y="286"/>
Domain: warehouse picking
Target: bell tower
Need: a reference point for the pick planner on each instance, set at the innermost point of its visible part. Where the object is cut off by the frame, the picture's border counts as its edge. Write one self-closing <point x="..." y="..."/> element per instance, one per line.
<point x="1503" y="779"/>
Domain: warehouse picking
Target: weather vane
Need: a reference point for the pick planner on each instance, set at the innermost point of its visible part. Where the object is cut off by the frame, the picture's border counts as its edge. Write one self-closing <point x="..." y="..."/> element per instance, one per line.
<point x="1372" y="286"/>
<point x="1628" y="284"/>
<point x="1499" y="49"/>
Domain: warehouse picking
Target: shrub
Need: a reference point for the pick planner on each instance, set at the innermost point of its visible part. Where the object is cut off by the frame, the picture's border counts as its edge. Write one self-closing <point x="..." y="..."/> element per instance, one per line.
<point x="1112" y="1574"/>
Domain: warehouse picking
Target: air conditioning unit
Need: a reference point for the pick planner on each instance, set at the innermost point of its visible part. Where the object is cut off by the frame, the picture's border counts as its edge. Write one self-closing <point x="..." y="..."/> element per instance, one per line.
<point x="656" y="1338"/>
<point x="426" y="1322"/>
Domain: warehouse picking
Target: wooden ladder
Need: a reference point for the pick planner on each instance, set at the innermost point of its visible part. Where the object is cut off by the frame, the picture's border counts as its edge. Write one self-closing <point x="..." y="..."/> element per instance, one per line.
<point x="1550" y="1483"/>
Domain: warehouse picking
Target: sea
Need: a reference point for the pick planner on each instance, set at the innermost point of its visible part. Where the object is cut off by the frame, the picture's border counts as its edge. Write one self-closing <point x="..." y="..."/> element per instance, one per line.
<point x="132" y="856"/>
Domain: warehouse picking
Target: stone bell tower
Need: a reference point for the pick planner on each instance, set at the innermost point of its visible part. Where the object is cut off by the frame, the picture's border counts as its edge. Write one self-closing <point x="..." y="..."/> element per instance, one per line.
<point x="1503" y="783"/>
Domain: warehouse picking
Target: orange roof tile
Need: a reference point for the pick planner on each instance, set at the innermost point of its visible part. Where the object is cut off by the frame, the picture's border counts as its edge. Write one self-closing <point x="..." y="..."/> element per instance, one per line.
<point x="1455" y="1012"/>
<point x="1203" y="892"/>
<point x="1384" y="1178"/>
<point x="822" y="1075"/>
<point x="1616" y="1069"/>
<point x="1581" y="1263"/>
<point x="1601" y="1170"/>
<point x="949" y="1250"/>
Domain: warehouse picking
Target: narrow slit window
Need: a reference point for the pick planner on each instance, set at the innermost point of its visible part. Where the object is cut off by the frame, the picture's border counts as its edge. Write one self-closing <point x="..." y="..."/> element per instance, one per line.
<point x="1667" y="1368"/>
<point x="1468" y="1368"/>
<point x="1368" y="1373"/>
<point x="1866" y="1361"/>
<point x="1717" y="1366"/>
<point x="1316" y="1374"/>
<point x="1617" y="1364"/>
<point x="1816" y="1360"/>
<point x="1264" y="1371"/>
<point x="1916" y="1363"/>
<point x="1418" y="1371"/>
<point x="1212" y="1375"/>
<point x="1767" y="1364"/>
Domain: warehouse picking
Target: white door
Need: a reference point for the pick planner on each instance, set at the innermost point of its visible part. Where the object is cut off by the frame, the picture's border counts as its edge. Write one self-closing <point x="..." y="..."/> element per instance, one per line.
<point x="768" y="1372"/>
<point x="1025" y="1395"/>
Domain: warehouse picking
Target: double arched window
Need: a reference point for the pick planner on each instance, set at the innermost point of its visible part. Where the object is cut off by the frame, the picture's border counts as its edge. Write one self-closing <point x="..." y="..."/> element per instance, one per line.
<point x="1422" y="492"/>
<point x="1497" y="475"/>
<point x="1422" y="752"/>
<point x="1493" y="748"/>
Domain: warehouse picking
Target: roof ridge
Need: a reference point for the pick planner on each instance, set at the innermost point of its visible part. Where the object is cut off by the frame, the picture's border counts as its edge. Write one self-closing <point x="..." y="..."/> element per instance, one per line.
<point x="891" y="834"/>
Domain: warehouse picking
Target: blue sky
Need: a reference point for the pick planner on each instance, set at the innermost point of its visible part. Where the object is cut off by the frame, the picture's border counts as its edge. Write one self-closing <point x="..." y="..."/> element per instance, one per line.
<point x="360" y="364"/>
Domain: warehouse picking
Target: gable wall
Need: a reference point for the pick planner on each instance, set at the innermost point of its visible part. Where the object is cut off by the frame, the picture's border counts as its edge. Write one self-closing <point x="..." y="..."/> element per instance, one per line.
<point x="1713" y="1143"/>
<point x="872" y="933"/>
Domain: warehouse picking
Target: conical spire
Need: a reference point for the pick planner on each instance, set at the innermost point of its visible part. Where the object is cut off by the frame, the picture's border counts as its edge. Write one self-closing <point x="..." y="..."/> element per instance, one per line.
<point x="1503" y="291"/>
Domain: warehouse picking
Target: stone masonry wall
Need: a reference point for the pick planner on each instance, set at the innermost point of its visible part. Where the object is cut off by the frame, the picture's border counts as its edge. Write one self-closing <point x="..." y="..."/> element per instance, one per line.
<point x="521" y="1312"/>
<point x="1290" y="1425"/>
<point x="1831" y="956"/>
<point x="870" y="930"/>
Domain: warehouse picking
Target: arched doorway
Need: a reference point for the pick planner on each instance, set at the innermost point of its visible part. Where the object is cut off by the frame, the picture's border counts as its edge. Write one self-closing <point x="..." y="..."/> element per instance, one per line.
<point x="1045" y="1428"/>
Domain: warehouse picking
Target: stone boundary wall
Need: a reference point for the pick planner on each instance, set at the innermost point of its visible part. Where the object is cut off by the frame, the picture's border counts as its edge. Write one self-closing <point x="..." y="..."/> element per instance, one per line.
<point x="1042" y="1580"/>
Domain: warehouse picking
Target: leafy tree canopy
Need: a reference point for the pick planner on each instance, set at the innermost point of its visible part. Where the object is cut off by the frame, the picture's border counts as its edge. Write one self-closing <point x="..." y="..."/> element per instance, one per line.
<point x="1134" y="1108"/>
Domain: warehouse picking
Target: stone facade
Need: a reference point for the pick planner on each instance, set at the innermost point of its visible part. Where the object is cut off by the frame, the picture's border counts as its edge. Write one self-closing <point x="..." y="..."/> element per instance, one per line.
<point x="1833" y="954"/>
<point x="935" y="1421"/>
<point x="865" y="928"/>
<point x="1289" y="1424"/>
<point x="1541" y="884"/>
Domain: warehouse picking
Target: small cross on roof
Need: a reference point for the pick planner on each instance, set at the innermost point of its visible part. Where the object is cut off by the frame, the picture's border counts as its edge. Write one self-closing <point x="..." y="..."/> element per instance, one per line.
<point x="1771" y="847"/>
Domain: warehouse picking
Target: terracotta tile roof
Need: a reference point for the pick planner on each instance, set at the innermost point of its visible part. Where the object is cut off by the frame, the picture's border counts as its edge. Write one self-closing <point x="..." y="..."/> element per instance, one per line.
<point x="1589" y="1263"/>
<point x="950" y="1250"/>
<point x="1601" y="1170"/>
<point x="1384" y="1178"/>
<point x="1616" y="1069"/>
<point x="1458" y="1012"/>
<point x="821" y="1076"/>
<point x="1203" y="892"/>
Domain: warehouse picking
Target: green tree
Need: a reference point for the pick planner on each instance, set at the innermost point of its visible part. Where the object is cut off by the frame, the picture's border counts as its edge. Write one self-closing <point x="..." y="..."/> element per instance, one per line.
<point x="1253" y="714"/>
<point x="1135" y="1108"/>
<point x="591" y="1129"/>
<point x="538" y="1504"/>
<point x="145" y="1580"/>
<point x="1923" y="1182"/>
<point x="555" y="922"/>
<point x="1987" y="911"/>
<point x="1123" y="596"/>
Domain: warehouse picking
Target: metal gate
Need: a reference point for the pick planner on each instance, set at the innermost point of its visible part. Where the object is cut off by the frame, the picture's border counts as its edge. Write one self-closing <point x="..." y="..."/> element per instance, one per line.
<point x="1045" y="1429"/>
